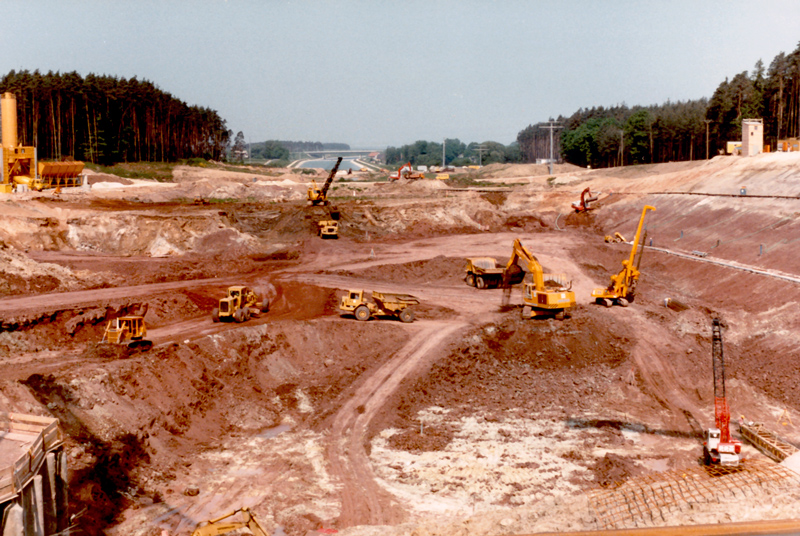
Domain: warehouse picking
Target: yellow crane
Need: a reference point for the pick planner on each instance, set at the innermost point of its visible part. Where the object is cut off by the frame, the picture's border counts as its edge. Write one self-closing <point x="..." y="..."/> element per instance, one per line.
<point x="319" y="196"/>
<point x="622" y="289"/>
<point x="546" y="294"/>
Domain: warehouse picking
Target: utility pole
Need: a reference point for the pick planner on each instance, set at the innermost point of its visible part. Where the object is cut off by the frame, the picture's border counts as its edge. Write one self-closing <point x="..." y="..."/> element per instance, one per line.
<point x="706" y="121"/>
<point x="552" y="125"/>
<point x="444" y="144"/>
<point x="480" y="149"/>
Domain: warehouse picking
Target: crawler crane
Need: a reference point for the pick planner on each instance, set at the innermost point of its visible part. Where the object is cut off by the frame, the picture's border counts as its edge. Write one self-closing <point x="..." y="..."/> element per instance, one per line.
<point x="319" y="196"/>
<point x="622" y="289"/>
<point x="719" y="448"/>
<point x="546" y="294"/>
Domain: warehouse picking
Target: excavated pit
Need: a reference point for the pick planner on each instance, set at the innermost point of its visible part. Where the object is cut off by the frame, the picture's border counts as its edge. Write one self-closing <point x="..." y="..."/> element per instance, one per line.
<point x="470" y="415"/>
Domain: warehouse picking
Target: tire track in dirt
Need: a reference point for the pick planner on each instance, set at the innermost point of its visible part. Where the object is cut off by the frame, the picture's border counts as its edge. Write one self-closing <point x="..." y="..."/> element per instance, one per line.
<point x="650" y="355"/>
<point x="364" y="501"/>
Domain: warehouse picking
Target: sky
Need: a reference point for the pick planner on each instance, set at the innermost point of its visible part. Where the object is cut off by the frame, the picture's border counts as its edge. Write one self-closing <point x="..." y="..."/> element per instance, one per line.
<point x="379" y="73"/>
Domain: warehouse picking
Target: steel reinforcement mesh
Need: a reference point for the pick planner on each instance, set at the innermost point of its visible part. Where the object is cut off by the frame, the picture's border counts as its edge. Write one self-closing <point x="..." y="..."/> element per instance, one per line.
<point x="644" y="501"/>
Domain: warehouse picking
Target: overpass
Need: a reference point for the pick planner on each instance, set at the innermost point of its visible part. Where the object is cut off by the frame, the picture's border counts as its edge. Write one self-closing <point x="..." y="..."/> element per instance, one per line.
<point x="328" y="153"/>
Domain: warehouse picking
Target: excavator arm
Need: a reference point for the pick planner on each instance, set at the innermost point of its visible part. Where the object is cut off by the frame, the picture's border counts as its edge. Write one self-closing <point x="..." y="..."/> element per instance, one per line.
<point x="324" y="191"/>
<point x="214" y="527"/>
<point x="522" y="261"/>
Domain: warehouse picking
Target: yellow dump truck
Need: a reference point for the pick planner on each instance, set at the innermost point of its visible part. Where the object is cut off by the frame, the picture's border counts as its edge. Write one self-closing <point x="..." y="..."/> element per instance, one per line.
<point x="328" y="229"/>
<point x="483" y="272"/>
<point x="128" y="330"/>
<point x="380" y="304"/>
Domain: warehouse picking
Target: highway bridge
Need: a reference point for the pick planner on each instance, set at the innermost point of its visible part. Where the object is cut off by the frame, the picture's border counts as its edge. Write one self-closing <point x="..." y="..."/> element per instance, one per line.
<point x="334" y="153"/>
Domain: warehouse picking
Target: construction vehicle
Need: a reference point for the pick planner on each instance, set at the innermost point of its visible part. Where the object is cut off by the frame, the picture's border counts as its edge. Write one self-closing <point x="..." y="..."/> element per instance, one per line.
<point x="718" y="447"/>
<point x="406" y="172"/>
<point x="616" y="239"/>
<point x="213" y="527"/>
<point x="586" y="198"/>
<point x="622" y="289"/>
<point x="319" y="196"/>
<point x="484" y="272"/>
<point x="19" y="167"/>
<point x="239" y="305"/>
<point x="380" y="304"/>
<point x="328" y="229"/>
<point x="127" y="330"/>
<point x="546" y="295"/>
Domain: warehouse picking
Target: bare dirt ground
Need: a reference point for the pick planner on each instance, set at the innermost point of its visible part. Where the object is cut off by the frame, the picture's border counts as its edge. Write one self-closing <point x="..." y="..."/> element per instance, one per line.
<point x="470" y="419"/>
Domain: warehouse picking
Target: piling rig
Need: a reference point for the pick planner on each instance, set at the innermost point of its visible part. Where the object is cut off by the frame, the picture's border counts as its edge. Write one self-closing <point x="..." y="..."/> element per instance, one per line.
<point x="719" y="448"/>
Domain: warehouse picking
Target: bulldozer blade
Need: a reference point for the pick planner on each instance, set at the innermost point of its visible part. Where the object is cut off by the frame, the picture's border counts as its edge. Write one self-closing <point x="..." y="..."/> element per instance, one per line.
<point x="142" y="346"/>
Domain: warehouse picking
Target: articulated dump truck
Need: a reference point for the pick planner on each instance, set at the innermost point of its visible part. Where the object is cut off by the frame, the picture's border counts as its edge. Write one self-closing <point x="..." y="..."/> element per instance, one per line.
<point x="381" y="304"/>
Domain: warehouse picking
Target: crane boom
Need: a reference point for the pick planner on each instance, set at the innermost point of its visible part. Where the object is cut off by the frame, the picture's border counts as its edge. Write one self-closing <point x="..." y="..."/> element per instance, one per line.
<point x="722" y="414"/>
<point x="328" y="182"/>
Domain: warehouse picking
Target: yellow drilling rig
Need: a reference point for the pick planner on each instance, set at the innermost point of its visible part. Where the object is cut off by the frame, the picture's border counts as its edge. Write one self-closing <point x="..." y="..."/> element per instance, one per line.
<point x="19" y="166"/>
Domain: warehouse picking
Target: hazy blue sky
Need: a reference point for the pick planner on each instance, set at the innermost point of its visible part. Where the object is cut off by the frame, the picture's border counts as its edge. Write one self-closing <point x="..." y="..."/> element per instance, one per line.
<point x="388" y="73"/>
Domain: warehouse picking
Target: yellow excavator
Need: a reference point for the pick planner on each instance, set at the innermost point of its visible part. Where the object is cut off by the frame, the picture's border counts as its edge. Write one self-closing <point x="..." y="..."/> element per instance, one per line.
<point x="319" y="196"/>
<point x="213" y="527"/>
<point x="622" y="289"/>
<point x="547" y="294"/>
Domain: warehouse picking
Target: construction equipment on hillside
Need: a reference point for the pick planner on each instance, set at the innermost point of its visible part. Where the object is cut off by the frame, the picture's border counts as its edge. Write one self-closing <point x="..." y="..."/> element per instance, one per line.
<point x="484" y="272"/>
<point x="406" y="172"/>
<point x="622" y="289"/>
<point x="328" y="229"/>
<point x="127" y="330"/>
<point x="19" y="167"/>
<point x="547" y="295"/>
<point x="616" y="239"/>
<point x="319" y="196"/>
<point x="719" y="448"/>
<point x="239" y="305"/>
<point x="586" y="198"/>
<point x="213" y="527"/>
<point x="380" y="304"/>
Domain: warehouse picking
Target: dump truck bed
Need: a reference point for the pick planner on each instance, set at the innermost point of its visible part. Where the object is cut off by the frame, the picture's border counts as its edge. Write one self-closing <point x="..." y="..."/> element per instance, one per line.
<point x="392" y="302"/>
<point x="484" y="265"/>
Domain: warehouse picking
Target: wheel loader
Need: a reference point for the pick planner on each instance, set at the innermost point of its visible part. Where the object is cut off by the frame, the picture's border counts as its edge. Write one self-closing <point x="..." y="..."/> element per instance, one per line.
<point x="239" y="305"/>
<point x="381" y="304"/>
<point x="127" y="330"/>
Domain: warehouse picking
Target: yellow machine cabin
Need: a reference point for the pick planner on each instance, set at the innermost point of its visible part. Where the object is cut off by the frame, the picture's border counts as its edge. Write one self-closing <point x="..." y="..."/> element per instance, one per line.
<point x="18" y="163"/>
<point x="622" y="289"/>
<point x="129" y="330"/>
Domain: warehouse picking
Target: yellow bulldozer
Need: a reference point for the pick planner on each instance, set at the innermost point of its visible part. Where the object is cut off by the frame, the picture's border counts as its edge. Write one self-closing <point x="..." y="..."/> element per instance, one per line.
<point x="545" y="295"/>
<point x="215" y="527"/>
<point x="239" y="304"/>
<point x="127" y="330"/>
<point x="622" y="289"/>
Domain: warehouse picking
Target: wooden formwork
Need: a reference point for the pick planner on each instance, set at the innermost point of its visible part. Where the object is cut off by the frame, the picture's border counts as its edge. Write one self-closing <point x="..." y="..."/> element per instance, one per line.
<point x="645" y="501"/>
<point x="45" y="436"/>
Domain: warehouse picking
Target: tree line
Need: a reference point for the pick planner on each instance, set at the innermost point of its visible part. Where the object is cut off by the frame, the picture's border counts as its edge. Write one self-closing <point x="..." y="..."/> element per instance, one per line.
<point x="690" y="130"/>
<point x="105" y="119"/>
<point x="457" y="153"/>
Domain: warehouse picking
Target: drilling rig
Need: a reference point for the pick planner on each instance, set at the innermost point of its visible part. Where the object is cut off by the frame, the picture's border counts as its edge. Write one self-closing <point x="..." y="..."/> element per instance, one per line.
<point x="719" y="448"/>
